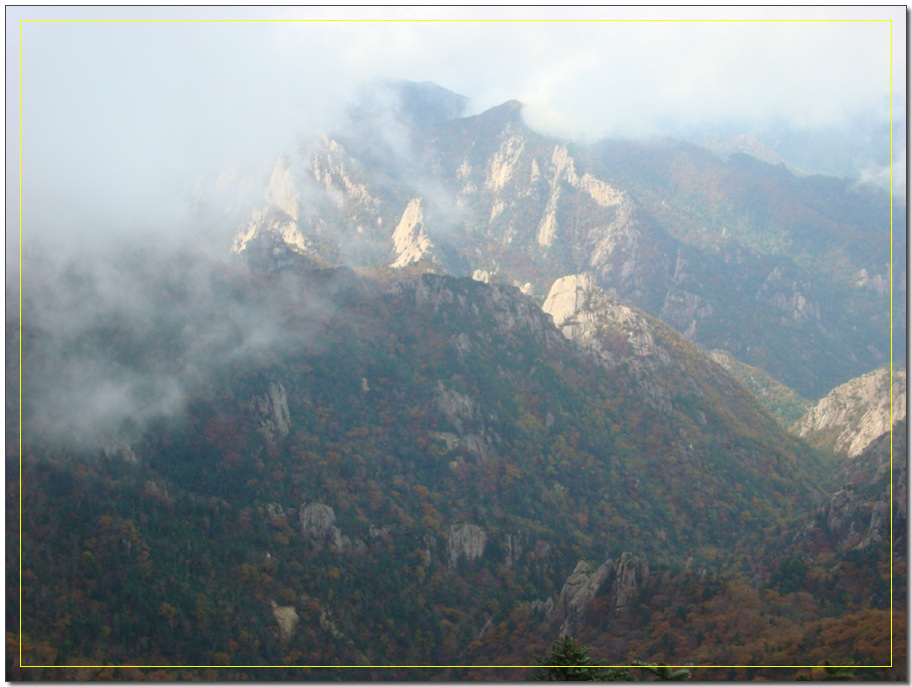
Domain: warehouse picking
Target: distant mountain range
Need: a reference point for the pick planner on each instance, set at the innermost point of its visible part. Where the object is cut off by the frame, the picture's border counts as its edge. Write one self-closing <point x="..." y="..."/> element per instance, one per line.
<point x="790" y="274"/>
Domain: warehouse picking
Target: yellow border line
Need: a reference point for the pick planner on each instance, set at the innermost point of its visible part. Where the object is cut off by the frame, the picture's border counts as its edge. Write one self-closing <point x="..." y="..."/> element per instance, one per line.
<point x="891" y="343"/>
<point x="676" y="21"/>
<point x="20" y="344"/>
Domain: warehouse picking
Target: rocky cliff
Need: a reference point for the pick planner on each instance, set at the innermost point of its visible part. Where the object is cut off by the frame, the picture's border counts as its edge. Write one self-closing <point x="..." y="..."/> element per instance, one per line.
<point x="870" y="500"/>
<point x="854" y="414"/>
<point x="658" y="364"/>
<point x="270" y="413"/>
<point x="620" y="580"/>
<point x="465" y="541"/>
<point x="617" y="334"/>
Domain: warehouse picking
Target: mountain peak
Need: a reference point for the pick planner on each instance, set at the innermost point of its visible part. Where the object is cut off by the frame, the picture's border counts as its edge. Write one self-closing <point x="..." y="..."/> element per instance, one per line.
<point x="511" y="104"/>
<point x="511" y="108"/>
<point x="427" y="103"/>
<point x="501" y="115"/>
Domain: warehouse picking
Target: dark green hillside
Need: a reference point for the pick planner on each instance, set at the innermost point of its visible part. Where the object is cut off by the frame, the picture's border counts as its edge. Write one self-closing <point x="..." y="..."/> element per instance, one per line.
<point x="347" y="470"/>
<point x="829" y="587"/>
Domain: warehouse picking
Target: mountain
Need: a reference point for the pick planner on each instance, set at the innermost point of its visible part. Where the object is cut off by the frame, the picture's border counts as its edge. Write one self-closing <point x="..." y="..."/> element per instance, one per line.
<point x="368" y="468"/>
<point x="789" y="274"/>
<point x="449" y="397"/>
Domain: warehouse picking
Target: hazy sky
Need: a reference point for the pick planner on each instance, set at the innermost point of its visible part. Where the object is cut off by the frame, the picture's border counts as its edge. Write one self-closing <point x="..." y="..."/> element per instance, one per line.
<point x="118" y="116"/>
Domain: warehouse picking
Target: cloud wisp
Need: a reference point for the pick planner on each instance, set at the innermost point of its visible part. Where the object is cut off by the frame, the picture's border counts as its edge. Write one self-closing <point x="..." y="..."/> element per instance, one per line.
<point x="126" y="337"/>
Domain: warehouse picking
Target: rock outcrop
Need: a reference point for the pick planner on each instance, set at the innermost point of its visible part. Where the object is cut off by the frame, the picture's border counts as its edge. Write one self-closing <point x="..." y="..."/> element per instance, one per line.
<point x="785" y="289"/>
<point x="854" y="414"/>
<point x="622" y="580"/>
<point x="410" y="239"/>
<point x="317" y="522"/>
<point x="334" y="170"/>
<point x="513" y="545"/>
<point x="857" y="514"/>
<point x="578" y="591"/>
<point x="471" y="425"/>
<point x="287" y="619"/>
<point x="617" y="334"/>
<point x="508" y="312"/>
<point x="630" y="578"/>
<point x="465" y="541"/>
<point x="279" y="216"/>
<point x="271" y="413"/>
<point x="584" y="313"/>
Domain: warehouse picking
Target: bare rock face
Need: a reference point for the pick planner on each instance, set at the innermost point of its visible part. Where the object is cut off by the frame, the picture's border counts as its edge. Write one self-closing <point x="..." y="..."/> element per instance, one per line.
<point x="854" y="414"/>
<point x="879" y="283"/>
<point x="617" y="334"/>
<point x="458" y="408"/>
<point x="121" y="449"/>
<point x="567" y="302"/>
<point x="410" y="239"/>
<point x="681" y="308"/>
<point x="858" y="514"/>
<point x="578" y="591"/>
<point x="850" y="520"/>
<point x="279" y="216"/>
<point x="287" y="619"/>
<point x="632" y="575"/>
<point x="271" y="413"/>
<point x="316" y="520"/>
<point x="465" y="541"/>
<point x="336" y="171"/>
<point x="470" y="423"/>
<point x="842" y="511"/>
<point x="623" y="580"/>
<point x="276" y="514"/>
<point x="582" y="311"/>
<point x="507" y="310"/>
<point x="784" y="289"/>
<point x="513" y="545"/>
<point x="342" y="543"/>
<point x="878" y="527"/>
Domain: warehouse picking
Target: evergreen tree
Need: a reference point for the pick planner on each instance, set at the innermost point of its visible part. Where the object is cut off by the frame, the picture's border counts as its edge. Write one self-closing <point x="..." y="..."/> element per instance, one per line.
<point x="663" y="672"/>
<point x="570" y="661"/>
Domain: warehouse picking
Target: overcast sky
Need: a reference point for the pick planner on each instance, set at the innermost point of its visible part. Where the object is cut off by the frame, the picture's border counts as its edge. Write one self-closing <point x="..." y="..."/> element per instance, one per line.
<point x="118" y="116"/>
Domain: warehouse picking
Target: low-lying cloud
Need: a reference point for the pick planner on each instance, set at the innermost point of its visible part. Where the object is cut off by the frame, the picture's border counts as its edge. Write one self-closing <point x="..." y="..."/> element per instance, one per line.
<point x="114" y="342"/>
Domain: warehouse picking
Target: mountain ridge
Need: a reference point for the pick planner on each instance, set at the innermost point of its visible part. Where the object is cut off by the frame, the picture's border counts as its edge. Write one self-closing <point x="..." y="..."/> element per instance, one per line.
<point x="499" y="198"/>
